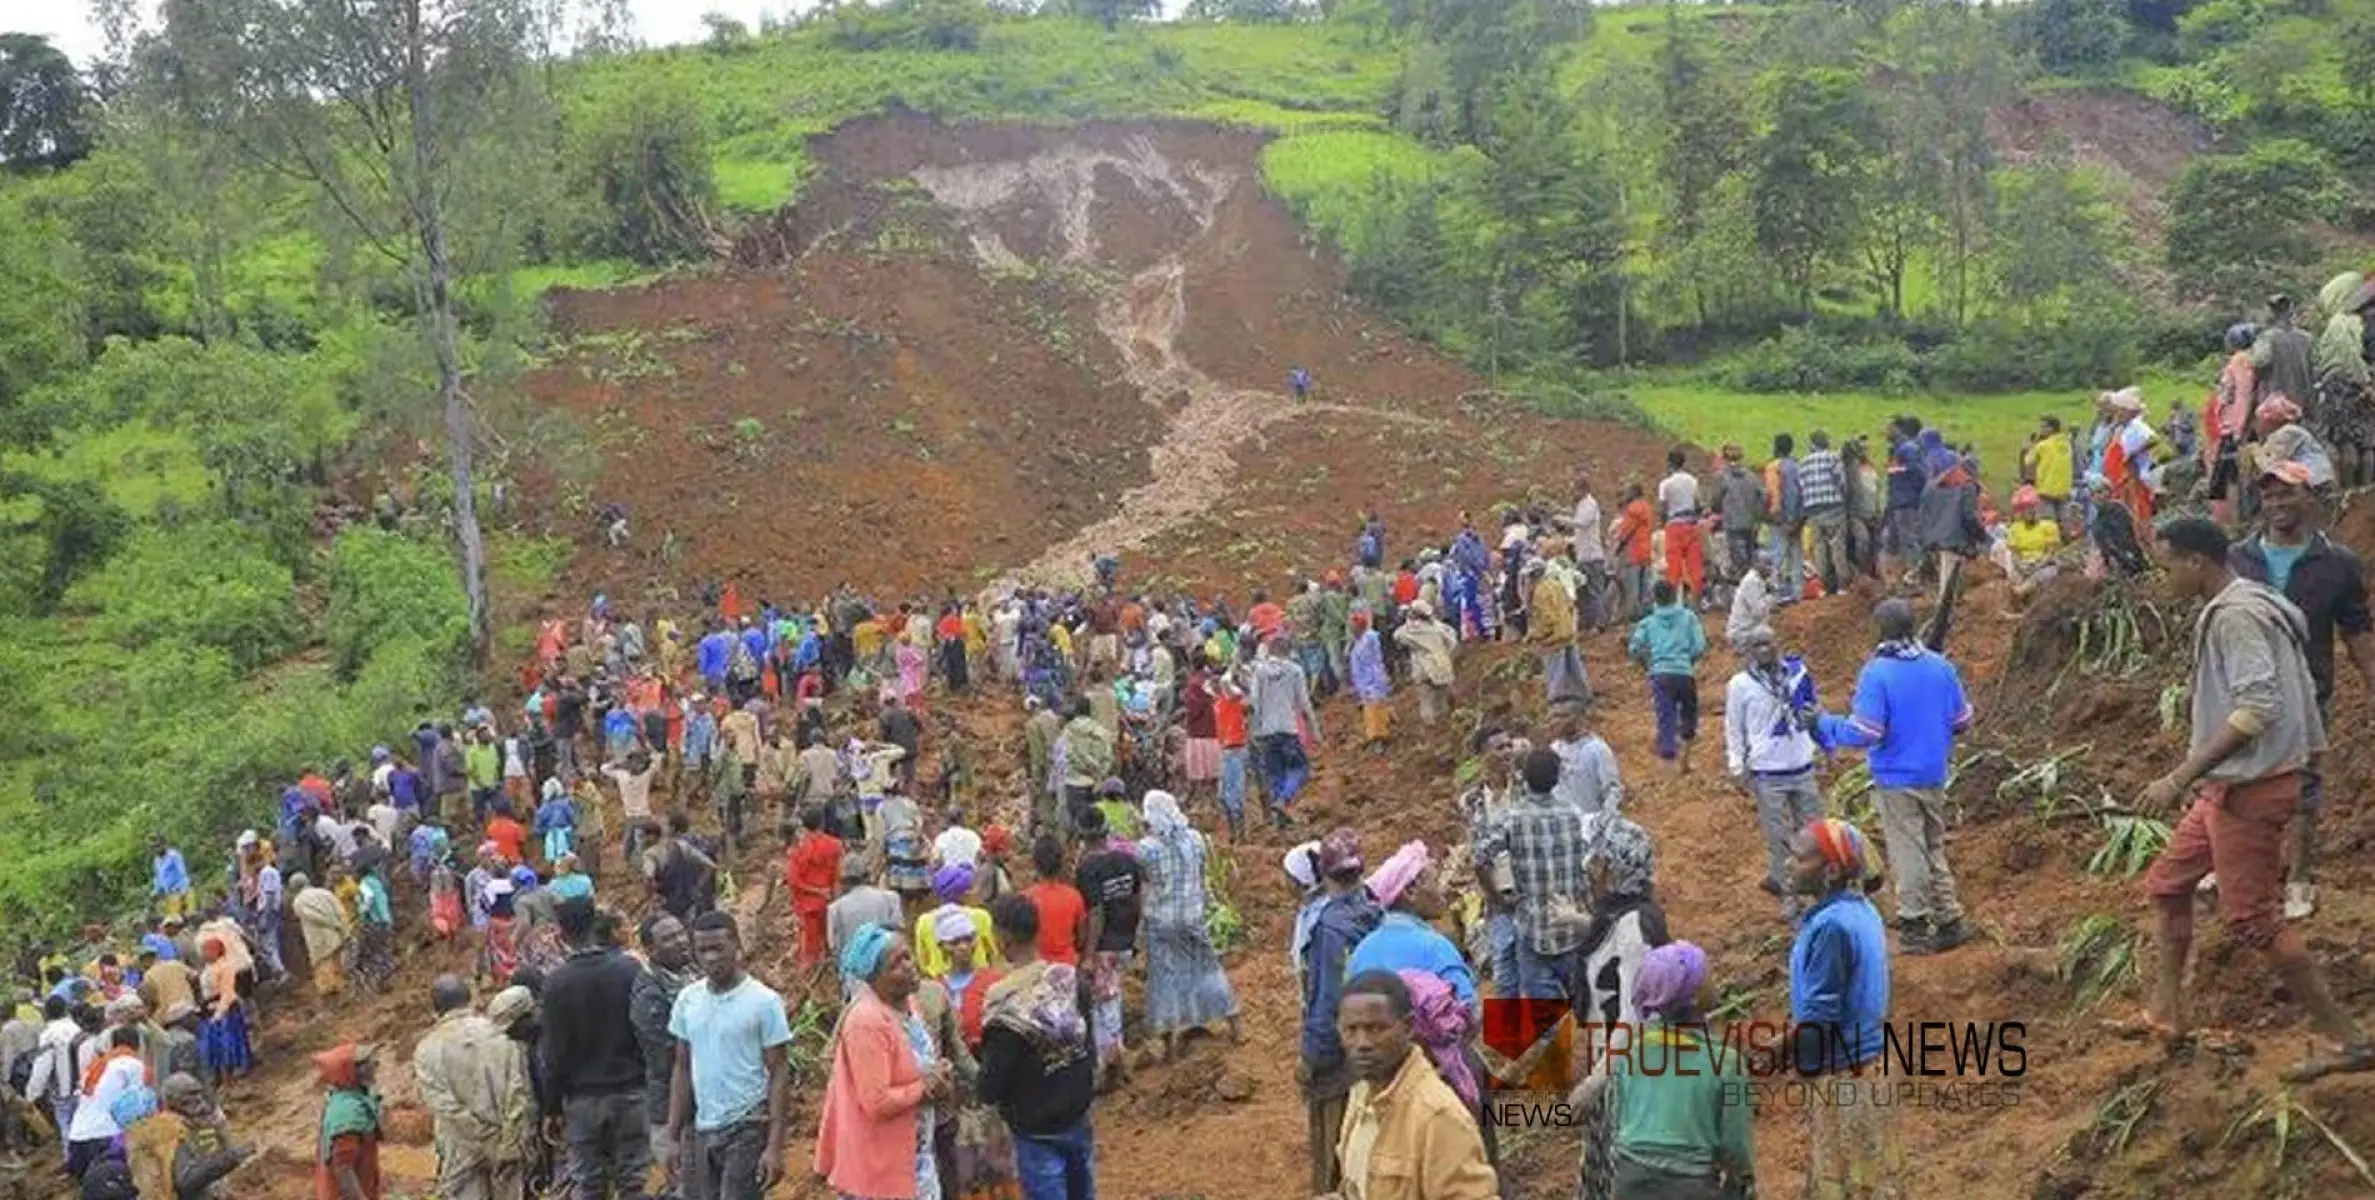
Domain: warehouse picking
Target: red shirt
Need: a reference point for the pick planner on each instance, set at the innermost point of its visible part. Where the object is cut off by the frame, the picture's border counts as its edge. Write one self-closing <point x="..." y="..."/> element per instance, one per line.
<point x="509" y="837"/>
<point x="1061" y="911"/>
<point x="1228" y="718"/>
<point x="1633" y="532"/>
<point x="1267" y="619"/>
<point x="1406" y="588"/>
<point x="812" y="868"/>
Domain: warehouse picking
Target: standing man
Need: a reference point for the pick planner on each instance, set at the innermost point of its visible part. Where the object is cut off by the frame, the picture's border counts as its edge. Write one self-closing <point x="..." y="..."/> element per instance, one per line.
<point x="1552" y="634"/>
<point x="2051" y="460"/>
<point x="1405" y="1131"/>
<point x="1544" y="839"/>
<point x="1282" y="710"/>
<point x="2328" y="584"/>
<point x="732" y="1076"/>
<point x="1769" y="711"/>
<point x="1823" y="491"/>
<point x="169" y="879"/>
<point x="2255" y="727"/>
<point x="1588" y="534"/>
<point x="474" y="1082"/>
<point x="1909" y="707"/>
<point x="1038" y="1065"/>
<point x="1669" y="643"/>
<point x="1785" y="513"/>
<point x="1740" y="501"/>
<point x="1039" y="738"/>
<point x="593" y="1065"/>
<point x="1343" y="919"/>
<point x="1430" y="644"/>
<point x="667" y="968"/>
<point x="1678" y="507"/>
<point x="2284" y="356"/>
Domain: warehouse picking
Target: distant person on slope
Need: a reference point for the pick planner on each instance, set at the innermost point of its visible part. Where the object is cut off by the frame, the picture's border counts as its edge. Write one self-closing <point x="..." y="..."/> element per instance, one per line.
<point x="1909" y="707"/>
<point x="1298" y="381"/>
<point x="2256" y="725"/>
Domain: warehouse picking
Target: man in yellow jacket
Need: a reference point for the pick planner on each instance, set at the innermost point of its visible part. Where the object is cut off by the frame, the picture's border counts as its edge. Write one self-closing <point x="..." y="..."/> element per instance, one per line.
<point x="1407" y="1135"/>
<point x="2049" y="462"/>
<point x="1552" y="634"/>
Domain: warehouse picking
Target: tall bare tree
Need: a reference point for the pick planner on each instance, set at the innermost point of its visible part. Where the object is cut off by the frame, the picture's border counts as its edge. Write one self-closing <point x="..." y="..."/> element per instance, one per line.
<point x="387" y="108"/>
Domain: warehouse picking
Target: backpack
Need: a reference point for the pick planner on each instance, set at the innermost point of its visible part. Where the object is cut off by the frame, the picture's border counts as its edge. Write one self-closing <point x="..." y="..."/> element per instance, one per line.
<point x="20" y="1071"/>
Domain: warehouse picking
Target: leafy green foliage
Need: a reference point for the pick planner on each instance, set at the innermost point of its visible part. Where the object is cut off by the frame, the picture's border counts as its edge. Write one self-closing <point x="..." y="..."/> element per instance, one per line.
<point x="2238" y="223"/>
<point x="1812" y="163"/>
<point x="212" y="584"/>
<point x="911" y="25"/>
<point x="385" y="587"/>
<point x="645" y="160"/>
<point x="2077" y="37"/>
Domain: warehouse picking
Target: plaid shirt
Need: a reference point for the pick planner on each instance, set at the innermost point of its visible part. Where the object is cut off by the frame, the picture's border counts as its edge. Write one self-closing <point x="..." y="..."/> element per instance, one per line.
<point x="1545" y="839"/>
<point x="1822" y="481"/>
<point x="1174" y="879"/>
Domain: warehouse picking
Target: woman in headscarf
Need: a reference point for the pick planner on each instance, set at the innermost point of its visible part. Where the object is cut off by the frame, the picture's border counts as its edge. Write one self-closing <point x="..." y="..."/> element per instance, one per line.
<point x="1302" y="867"/>
<point x="346" y="1160"/>
<point x="907" y="865"/>
<point x="556" y="822"/>
<point x="1680" y="1132"/>
<point x="1371" y="683"/>
<point x="2344" y="420"/>
<point x="184" y="1149"/>
<point x="976" y="1158"/>
<point x="1410" y="891"/>
<point x="1185" y="985"/>
<point x="1839" y="987"/>
<point x="1626" y="924"/>
<point x="953" y="884"/>
<point x="536" y="931"/>
<point x="375" y="932"/>
<point x="2228" y="426"/>
<point x="222" y="1037"/>
<point x="887" y="1083"/>
<point x="1445" y="1026"/>
<point x="500" y="955"/>
<point x="913" y="667"/>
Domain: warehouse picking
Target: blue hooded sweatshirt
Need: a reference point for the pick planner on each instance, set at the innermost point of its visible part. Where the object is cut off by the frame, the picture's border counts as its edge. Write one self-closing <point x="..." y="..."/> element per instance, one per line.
<point x="1669" y="641"/>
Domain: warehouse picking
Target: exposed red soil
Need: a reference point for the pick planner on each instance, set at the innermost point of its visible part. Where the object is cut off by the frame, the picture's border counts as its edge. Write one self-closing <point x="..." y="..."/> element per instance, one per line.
<point x="1227" y="1122"/>
<point x="2136" y="143"/>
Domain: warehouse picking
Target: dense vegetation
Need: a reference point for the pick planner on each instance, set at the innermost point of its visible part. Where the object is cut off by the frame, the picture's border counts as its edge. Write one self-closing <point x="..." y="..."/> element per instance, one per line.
<point x="222" y="314"/>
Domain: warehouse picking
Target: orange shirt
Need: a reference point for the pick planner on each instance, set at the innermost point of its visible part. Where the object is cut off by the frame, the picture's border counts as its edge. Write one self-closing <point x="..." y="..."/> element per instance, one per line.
<point x="812" y="868"/>
<point x="1633" y="528"/>
<point x="1267" y="619"/>
<point x="1228" y="720"/>
<point x="1133" y="618"/>
<point x="1060" y="912"/>
<point x="509" y="836"/>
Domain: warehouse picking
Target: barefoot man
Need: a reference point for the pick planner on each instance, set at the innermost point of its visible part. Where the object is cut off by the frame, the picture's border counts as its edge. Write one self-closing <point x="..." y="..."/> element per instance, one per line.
<point x="2255" y="726"/>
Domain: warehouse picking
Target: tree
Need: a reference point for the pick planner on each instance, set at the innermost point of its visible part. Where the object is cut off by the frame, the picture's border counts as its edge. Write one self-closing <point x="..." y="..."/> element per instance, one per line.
<point x="1111" y="13"/>
<point x="1812" y="165"/>
<point x="379" y="105"/>
<point x="2076" y="37"/>
<point x="43" y="105"/>
<point x="645" y="157"/>
<point x="2239" y="223"/>
<point x="2055" y="231"/>
<point x="1954" y="72"/>
<point x="1706" y="137"/>
<point x="1250" y="12"/>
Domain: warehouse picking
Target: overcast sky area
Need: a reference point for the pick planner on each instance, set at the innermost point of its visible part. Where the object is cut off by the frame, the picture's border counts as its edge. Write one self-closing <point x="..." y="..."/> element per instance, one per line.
<point x="68" y="24"/>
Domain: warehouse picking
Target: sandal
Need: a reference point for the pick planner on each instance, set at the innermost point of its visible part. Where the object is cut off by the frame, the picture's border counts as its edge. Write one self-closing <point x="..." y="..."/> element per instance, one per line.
<point x="2348" y="1061"/>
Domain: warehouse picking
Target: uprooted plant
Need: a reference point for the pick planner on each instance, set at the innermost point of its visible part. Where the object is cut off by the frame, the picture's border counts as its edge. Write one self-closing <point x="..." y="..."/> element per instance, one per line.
<point x="2097" y="956"/>
<point x="2118" y="637"/>
<point x="2130" y="843"/>
<point x="2272" y="1116"/>
<point x="2114" y="1123"/>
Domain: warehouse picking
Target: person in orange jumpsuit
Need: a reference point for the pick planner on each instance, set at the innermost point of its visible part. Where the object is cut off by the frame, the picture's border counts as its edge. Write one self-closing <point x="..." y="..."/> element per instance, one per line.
<point x="813" y="870"/>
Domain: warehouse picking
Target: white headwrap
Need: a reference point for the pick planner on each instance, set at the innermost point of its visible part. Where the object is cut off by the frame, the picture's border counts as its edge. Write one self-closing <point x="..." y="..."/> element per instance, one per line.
<point x="951" y="923"/>
<point x="1302" y="865"/>
<point x="1163" y="817"/>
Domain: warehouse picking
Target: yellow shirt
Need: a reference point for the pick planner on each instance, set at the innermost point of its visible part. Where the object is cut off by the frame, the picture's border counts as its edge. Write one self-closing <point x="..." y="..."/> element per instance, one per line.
<point x="931" y="959"/>
<point x="2049" y="461"/>
<point x="2033" y="541"/>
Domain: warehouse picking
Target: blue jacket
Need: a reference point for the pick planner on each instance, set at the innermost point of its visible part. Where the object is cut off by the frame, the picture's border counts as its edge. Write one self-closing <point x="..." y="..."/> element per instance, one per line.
<point x="1838" y="984"/>
<point x="1669" y="641"/>
<point x="1909" y="705"/>
<point x="714" y="652"/>
<point x="1402" y="942"/>
<point x="1343" y="921"/>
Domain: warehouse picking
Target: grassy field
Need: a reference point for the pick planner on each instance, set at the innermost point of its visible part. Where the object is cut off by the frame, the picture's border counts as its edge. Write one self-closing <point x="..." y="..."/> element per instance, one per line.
<point x="1995" y="425"/>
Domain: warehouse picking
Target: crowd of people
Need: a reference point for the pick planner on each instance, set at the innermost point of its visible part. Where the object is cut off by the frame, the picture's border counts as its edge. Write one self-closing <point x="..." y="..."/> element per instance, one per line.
<point x="983" y="939"/>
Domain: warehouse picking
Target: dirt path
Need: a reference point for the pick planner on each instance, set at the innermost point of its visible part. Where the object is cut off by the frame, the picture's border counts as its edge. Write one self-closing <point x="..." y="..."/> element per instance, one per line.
<point x="1194" y="464"/>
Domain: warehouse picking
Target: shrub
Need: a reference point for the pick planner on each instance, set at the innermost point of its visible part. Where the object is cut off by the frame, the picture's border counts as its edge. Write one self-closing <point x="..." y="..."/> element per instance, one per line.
<point x="210" y="584"/>
<point x="644" y="159"/>
<point x="385" y="587"/>
<point x="1803" y="359"/>
<point x="911" y="25"/>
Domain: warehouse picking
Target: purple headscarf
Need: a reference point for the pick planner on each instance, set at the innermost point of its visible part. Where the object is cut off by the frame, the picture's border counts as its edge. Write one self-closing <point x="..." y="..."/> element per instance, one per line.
<point x="951" y="882"/>
<point x="1443" y="1026"/>
<point x="1670" y="977"/>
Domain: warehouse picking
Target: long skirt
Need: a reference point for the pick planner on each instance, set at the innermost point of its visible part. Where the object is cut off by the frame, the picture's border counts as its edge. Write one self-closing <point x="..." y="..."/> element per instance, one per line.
<point x="1203" y="760"/>
<point x="1563" y="676"/>
<point x="1185" y="985"/>
<point x="375" y="955"/>
<point x="1106" y="968"/>
<point x="223" y="1045"/>
<point x="501" y="954"/>
<point x="1855" y="1156"/>
<point x="953" y="667"/>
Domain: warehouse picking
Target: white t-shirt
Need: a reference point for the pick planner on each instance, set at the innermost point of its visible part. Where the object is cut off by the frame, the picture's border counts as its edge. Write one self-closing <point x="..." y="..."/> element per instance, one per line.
<point x="1678" y="494"/>
<point x="341" y="838"/>
<point x="384" y="819"/>
<point x="1589" y="544"/>
<point x="957" y="846"/>
<point x="92" y="1120"/>
<point x="634" y="791"/>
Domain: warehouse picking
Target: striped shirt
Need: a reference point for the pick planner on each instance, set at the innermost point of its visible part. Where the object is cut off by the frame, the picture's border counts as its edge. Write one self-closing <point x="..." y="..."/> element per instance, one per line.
<point x="1822" y="481"/>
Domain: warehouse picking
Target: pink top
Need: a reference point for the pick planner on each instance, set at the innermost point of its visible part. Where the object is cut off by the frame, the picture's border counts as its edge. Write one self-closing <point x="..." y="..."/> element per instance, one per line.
<point x="865" y="1143"/>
